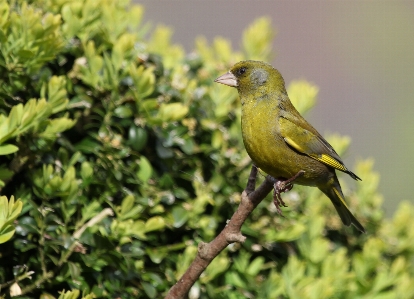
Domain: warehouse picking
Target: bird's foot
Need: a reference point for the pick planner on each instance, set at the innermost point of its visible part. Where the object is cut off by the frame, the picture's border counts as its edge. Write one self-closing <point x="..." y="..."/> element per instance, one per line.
<point x="283" y="186"/>
<point x="277" y="199"/>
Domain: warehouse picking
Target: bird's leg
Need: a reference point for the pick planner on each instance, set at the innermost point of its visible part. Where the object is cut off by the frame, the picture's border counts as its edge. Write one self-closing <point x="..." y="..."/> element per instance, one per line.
<point x="287" y="185"/>
<point x="283" y="186"/>
<point x="251" y="183"/>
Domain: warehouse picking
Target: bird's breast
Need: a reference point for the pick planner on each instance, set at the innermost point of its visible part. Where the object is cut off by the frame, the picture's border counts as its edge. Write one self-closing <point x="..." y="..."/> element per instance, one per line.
<point x="269" y="151"/>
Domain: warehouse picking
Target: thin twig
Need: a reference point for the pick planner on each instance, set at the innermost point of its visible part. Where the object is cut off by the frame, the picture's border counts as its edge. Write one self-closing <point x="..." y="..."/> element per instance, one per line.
<point x="230" y="234"/>
<point x="96" y="219"/>
<point x="17" y="279"/>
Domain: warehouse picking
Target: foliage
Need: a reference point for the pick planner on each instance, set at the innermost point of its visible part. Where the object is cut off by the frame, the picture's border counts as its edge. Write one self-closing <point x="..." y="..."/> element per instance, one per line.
<point x="126" y="155"/>
<point x="9" y="210"/>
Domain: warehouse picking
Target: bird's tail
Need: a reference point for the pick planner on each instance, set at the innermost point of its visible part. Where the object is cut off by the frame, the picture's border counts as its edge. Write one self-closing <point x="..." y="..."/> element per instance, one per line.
<point x="334" y="192"/>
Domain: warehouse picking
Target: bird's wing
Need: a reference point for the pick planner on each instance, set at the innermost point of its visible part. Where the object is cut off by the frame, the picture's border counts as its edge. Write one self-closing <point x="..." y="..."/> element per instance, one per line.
<point x="311" y="144"/>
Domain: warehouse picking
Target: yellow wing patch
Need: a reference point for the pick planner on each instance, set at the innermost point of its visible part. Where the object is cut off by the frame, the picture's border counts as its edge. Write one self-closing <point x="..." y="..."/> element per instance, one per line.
<point x="293" y="144"/>
<point x="310" y="144"/>
<point x="328" y="160"/>
<point x="324" y="158"/>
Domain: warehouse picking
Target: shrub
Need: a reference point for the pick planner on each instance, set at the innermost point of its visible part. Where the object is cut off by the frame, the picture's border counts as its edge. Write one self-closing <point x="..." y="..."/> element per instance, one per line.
<point x="126" y="155"/>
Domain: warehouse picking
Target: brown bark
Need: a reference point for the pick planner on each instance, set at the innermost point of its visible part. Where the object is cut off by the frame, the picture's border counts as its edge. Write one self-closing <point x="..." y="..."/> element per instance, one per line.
<point x="231" y="233"/>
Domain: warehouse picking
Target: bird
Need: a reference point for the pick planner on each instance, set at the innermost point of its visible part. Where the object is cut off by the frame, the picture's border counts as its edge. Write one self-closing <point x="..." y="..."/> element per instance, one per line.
<point x="280" y="141"/>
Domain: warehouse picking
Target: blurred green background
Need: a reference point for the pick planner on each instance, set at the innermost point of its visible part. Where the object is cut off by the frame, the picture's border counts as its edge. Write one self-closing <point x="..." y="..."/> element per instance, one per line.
<point x="359" y="53"/>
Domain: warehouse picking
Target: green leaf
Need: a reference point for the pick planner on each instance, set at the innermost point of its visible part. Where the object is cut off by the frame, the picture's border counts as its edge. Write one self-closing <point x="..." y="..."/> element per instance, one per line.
<point x="15" y="209"/>
<point x="9" y="211"/>
<point x="57" y="126"/>
<point x="157" y="255"/>
<point x="149" y="289"/>
<point x="73" y="294"/>
<point x="233" y="278"/>
<point x="137" y="138"/>
<point x="255" y="266"/>
<point x="154" y="223"/>
<point x="217" y="266"/>
<point x="88" y="145"/>
<point x="138" y="229"/>
<point x="68" y="179"/>
<point x="172" y="112"/>
<point x="144" y="80"/>
<point x="74" y="270"/>
<point x="180" y="216"/>
<point x="127" y="204"/>
<point x="86" y="170"/>
<point x="133" y="213"/>
<point x="6" y="233"/>
<point x="123" y="111"/>
<point x="145" y="169"/>
<point x="8" y="149"/>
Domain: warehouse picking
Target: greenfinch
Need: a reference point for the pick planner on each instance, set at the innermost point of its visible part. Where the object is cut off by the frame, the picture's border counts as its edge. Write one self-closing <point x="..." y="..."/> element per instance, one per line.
<point x="280" y="141"/>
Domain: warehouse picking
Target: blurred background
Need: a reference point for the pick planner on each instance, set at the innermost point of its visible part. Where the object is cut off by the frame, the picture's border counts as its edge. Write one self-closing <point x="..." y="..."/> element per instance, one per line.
<point x="359" y="53"/>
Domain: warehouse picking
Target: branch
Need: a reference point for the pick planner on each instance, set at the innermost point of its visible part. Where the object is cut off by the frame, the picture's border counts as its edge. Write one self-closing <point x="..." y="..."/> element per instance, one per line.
<point x="231" y="233"/>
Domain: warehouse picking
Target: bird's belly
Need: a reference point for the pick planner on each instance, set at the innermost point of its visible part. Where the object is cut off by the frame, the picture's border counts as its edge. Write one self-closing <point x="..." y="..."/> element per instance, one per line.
<point x="269" y="152"/>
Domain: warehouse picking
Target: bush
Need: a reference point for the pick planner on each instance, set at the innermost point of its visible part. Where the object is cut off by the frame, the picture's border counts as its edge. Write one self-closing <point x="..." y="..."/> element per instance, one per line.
<point x="126" y="155"/>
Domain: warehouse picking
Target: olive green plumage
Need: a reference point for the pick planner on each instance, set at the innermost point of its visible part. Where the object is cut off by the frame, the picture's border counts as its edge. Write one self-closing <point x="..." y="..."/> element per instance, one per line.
<point x="279" y="140"/>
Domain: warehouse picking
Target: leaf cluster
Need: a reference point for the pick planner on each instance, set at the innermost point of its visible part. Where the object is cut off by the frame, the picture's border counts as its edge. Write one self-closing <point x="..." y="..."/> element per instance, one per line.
<point x="125" y="155"/>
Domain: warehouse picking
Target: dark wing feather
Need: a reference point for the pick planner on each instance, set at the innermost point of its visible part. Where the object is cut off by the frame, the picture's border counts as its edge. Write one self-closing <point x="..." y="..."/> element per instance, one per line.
<point x="312" y="144"/>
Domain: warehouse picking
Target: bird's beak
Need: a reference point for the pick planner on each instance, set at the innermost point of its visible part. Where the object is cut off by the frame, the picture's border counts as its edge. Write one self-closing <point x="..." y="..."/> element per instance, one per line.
<point x="227" y="79"/>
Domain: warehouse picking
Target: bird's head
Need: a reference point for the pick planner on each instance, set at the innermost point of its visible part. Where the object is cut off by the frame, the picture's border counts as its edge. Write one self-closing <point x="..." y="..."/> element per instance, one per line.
<point x="252" y="76"/>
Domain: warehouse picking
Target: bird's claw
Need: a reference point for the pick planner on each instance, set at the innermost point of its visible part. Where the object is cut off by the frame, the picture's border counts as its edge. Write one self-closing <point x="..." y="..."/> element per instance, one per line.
<point x="283" y="186"/>
<point x="277" y="200"/>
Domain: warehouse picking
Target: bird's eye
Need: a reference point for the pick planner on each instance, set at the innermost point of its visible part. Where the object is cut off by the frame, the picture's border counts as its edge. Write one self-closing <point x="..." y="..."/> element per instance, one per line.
<point x="242" y="70"/>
